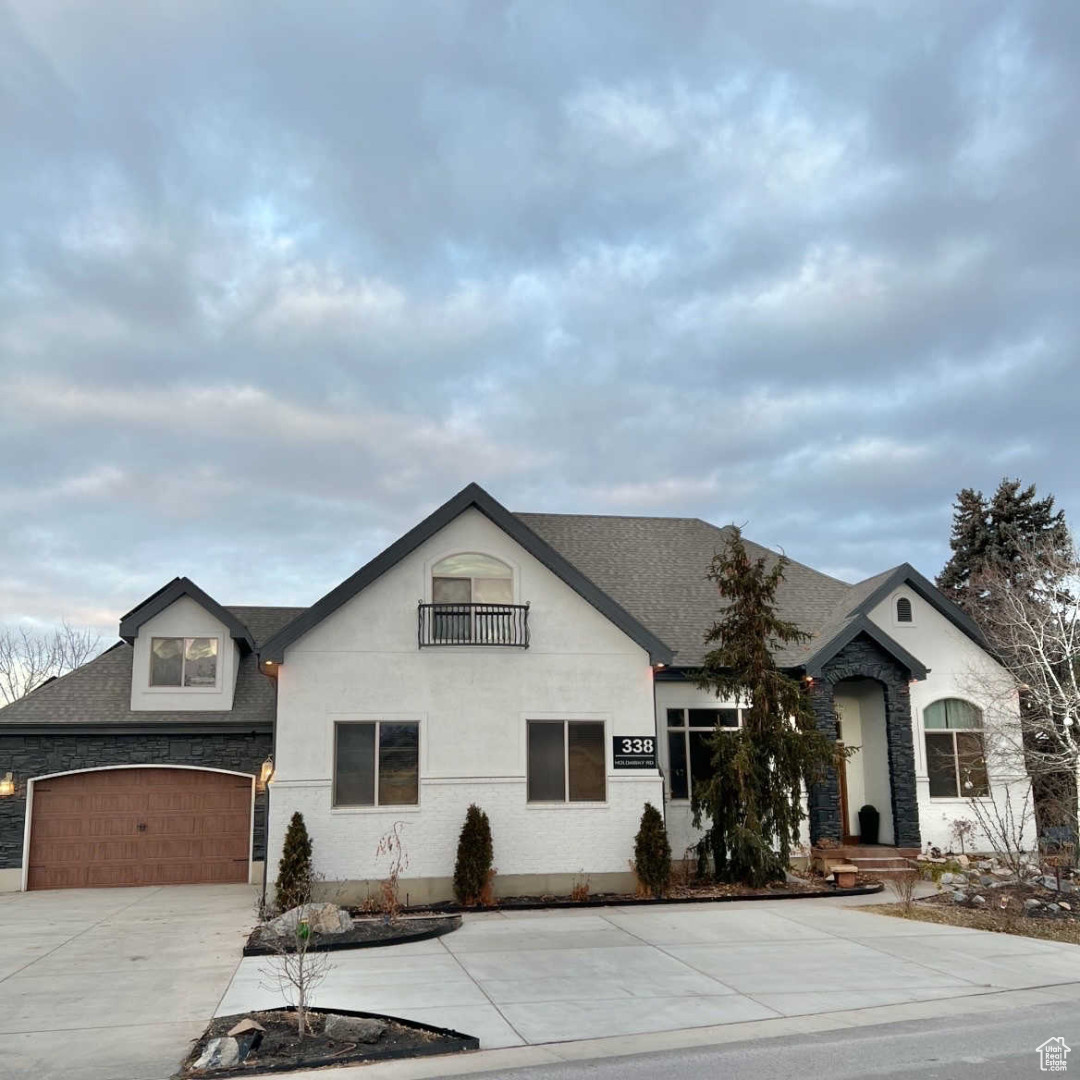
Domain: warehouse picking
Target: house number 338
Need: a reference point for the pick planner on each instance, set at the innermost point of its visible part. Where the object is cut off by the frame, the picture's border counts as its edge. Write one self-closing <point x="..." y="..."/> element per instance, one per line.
<point x="636" y="746"/>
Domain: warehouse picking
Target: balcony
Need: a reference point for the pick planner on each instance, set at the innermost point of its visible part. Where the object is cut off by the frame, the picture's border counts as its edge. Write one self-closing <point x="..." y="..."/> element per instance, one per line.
<point x="473" y="624"/>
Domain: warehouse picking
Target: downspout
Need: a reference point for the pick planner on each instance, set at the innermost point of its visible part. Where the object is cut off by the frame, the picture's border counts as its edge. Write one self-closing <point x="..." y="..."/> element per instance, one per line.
<point x="269" y="670"/>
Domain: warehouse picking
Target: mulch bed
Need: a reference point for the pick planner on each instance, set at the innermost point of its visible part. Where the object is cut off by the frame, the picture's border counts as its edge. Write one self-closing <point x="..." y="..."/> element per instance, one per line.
<point x="367" y="932"/>
<point x="280" y="1050"/>
<point x="678" y="894"/>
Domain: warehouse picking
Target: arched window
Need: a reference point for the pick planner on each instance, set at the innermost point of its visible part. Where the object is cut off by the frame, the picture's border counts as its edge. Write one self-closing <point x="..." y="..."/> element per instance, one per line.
<point x="472" y="578"/>
<point x="471" y="594"/>
<point x="955" y="754"/>
<point x="903" y="610"/>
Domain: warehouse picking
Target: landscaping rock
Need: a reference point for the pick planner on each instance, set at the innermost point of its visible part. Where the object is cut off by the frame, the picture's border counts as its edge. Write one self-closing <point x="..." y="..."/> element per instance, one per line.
<point x="979" y="901"/>
<point x="1053" y="908"/>
<point x="1031" y="904"/>
<point x="354" y="1028"/>
<point x="959" y="896"/>
<point x="951" y="879"/>
<point x="220" y="1053"/>
<point x="984" y="865"/>
<point x="963" y="860"/>
<point x="1001" y="872"/>
<point x="986" y="880"/>
<point x="1065" y="906"/>
<point x="322" y="918"/>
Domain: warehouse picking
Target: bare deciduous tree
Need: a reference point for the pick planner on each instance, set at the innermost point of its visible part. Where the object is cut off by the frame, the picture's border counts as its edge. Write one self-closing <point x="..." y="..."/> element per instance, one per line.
<point x="295" y="970"/>
<point x="30" y="657"/>
<point x="1030" y="613"/>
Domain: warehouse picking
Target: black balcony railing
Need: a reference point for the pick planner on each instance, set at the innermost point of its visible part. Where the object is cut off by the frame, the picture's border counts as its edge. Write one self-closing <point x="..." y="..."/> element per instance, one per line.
<point x="473" y="624"/>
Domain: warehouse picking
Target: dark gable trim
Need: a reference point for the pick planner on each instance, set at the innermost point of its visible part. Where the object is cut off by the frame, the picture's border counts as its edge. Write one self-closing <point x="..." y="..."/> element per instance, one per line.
<point x="862" y="625"/>
<point x="906" y="574"/>
<point x="471" y="496"/>
<point x="169" y="594"/>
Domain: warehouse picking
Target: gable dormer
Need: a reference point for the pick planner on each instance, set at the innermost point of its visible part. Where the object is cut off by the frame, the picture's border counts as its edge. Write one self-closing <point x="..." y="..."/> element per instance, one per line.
<point x="187" y="650"/>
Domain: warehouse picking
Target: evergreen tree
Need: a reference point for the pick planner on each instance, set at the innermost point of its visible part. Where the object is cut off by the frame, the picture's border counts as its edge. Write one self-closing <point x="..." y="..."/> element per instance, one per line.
<point x="993" y="534"/>
<point x="652" y="852"/>
<point x="474" y="857"/>
<point x="969" y="542"/>
<point x="294" y="870"/>
<point x="753" y="799"/>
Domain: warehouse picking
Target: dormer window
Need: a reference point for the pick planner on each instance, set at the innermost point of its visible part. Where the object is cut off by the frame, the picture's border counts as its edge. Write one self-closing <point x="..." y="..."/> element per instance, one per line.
<point x="472" y="578"/>
<point x="184" y="662"/>
<point x="903" y="610"/>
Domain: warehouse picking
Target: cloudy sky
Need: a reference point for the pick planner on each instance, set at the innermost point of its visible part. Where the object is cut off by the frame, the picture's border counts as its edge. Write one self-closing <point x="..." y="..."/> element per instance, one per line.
<point x="278" y="278"/>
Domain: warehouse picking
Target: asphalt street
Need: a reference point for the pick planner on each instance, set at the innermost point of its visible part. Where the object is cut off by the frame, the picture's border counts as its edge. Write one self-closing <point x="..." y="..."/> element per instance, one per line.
<point x="992" y="1046"/>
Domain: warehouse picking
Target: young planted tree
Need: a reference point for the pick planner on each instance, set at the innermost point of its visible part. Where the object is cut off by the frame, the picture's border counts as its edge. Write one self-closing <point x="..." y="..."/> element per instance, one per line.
<point x="652" y="852"/>
<point x="474" y="857"/>
<point x="294" y="869"/>
<point x="751" y="805"/>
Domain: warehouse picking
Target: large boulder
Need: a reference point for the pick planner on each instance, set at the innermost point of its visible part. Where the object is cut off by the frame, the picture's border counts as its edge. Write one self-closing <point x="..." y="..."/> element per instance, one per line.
<point x="221" y="1053"/>
<point x="363" y="1029"/>
<point x="322" y="918"/>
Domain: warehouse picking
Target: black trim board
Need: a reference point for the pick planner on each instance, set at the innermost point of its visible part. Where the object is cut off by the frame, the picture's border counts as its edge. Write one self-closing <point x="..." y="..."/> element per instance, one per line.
<point x="863" y="625"/>
<point x="469" y="497"/>
<point x="906" y="574"/>
<point x="169" y="594"/>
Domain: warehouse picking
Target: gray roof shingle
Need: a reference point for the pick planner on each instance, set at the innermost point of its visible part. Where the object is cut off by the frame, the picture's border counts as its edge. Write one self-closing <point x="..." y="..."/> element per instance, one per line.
<point x="655" y="568"/>
<point x="99" y="692"/>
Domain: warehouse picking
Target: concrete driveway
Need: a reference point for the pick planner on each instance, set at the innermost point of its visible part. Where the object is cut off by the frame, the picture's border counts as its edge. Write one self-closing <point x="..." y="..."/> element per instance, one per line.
<point x="112" y="984"/>
<point x="534" y="978"/>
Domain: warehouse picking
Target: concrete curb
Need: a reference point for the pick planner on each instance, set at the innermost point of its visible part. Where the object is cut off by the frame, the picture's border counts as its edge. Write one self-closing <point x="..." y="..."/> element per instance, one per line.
<point x="520" y="1057"/>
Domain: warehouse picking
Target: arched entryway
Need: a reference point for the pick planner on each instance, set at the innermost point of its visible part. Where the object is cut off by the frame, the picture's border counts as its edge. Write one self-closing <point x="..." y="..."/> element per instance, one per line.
<point x="865" y="685"/>
<point x="142" y="825"/>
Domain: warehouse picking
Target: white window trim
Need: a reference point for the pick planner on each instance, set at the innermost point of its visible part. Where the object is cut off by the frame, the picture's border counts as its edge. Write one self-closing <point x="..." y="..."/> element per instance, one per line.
<point x="565" y="802"/>
<point x="430" y="564"/>
<point x="182" y="689"/>
<point x="685" y="729"/>
<point x="376" y="806"/>
<point x="981" y="729"/>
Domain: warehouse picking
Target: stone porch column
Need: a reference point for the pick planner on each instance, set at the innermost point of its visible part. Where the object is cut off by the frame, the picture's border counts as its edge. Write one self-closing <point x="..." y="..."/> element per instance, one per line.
<point x="824" y="798"/>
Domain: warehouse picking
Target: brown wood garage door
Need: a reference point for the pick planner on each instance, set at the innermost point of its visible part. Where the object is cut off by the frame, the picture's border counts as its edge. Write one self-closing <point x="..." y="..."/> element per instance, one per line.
<point x="139" y="827"/>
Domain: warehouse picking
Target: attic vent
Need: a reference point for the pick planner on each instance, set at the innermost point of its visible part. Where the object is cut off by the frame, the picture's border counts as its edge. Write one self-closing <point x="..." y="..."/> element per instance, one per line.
<point x="903" y="609"/>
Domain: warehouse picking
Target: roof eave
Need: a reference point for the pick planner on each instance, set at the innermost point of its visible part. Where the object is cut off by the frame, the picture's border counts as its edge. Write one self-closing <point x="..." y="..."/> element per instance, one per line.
<point x="168" y="595"/>
<point x="815" y="665"/>
<point x="471" y="496"/>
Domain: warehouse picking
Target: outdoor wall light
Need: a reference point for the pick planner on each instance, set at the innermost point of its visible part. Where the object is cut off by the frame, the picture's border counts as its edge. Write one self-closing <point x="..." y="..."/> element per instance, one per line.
<point x="7" y="785"/>
<point x="265" y="773"/>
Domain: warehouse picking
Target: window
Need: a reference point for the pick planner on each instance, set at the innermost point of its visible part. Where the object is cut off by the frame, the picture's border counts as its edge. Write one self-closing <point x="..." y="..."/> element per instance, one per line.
<point x="689" y="760"/>
<point x="955" y="758"/>
<point x="376" y="763"/>
<point x="177" y="661"/>
<point x="566" y="761"/>
<point x="461" y="582"/>
<point x="903" y="610"/>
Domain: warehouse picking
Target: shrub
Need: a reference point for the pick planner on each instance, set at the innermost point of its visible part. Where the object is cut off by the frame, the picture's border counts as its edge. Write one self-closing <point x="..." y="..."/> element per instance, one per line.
<point x="294" y="870"/>
<point x="472" y="871"/>
<point x="652" y="852"/>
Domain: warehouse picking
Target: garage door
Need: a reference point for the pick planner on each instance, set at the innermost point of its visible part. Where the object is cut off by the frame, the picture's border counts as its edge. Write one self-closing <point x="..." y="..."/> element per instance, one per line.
<point x="139" y="827"/>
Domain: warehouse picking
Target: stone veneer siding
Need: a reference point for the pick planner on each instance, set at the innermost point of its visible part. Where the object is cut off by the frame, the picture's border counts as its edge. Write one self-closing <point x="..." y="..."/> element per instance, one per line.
<point x="29" y="756"/>
<point x="863" y="658"/>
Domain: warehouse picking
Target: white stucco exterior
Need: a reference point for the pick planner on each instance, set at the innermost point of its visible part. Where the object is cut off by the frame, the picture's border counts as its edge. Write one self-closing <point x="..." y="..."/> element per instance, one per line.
<point x="959" y="668"/>
<point x="472" y="704"/>
<point x="183" y="618"/>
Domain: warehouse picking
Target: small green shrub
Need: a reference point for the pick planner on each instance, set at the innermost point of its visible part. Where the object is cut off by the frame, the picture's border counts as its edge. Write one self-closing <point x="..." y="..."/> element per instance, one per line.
<point x="294" y="876"/>
<point x="472" y="871"/>
<point x="652" y="852"/>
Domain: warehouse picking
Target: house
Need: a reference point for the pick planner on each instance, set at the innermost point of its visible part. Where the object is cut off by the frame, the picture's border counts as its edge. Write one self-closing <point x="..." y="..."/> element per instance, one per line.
<point x="540" y="665"/>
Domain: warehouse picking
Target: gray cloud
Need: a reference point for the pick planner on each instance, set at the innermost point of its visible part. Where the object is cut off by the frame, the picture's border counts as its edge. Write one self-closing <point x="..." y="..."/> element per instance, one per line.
<point x="277" y="280"/>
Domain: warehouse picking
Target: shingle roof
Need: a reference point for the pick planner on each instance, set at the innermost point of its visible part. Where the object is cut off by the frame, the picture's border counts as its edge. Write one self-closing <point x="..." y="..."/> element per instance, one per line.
<point x="99" y="692"/>
<point x="655" y="568"/>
